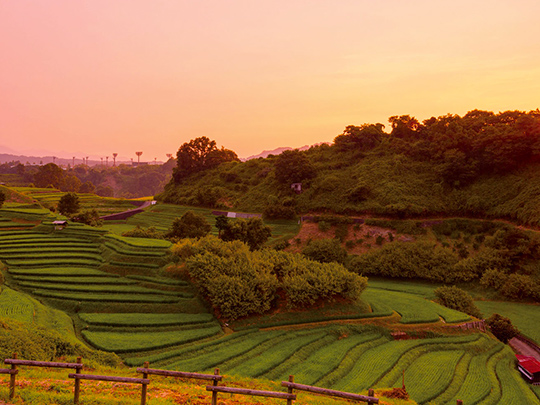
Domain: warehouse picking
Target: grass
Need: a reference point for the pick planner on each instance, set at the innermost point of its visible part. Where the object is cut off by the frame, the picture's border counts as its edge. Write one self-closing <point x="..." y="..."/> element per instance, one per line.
<point x="144" y="320"/>
<point x="138" y="341"/>
<point x="431" y="373"/>
<point x="526" y="317"/>
<point x="111" y="297"/>
<point x="412" y="308"/>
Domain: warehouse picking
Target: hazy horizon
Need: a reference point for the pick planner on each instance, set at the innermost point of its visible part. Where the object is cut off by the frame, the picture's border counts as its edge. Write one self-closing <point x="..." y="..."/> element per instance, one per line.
<point x="96" y="77"/>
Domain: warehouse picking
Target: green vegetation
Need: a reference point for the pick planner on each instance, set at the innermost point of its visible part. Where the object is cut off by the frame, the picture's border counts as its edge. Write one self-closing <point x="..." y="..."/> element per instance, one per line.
<point x="524" y="316"/>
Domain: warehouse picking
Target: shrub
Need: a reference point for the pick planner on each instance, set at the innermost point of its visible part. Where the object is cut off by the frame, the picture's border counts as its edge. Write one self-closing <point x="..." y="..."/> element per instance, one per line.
<point x="189" y="225"/>
<point x="379" y="241"/>
<point x="323" y="226"/>
<point x="502" y="327"/>
<point x="325" y="251"/>
<point x="519" y="286"/>
<point x="410" y="260"/>
<point x="493" y="278"/>
<point x="455" y="298"/>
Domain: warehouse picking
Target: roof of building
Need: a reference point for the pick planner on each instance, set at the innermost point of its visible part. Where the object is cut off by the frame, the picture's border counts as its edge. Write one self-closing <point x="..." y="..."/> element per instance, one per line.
<point x="529" y="363"/>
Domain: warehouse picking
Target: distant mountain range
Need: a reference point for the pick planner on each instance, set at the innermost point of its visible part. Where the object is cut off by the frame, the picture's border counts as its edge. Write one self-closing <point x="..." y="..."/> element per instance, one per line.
<point x="277" y="151"/>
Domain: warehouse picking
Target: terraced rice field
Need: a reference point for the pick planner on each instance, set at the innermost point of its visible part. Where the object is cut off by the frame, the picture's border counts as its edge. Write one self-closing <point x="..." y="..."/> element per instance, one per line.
<point x="120" y="303"/>
<point x="82" y="270"/>
<point x="49" y="197"/>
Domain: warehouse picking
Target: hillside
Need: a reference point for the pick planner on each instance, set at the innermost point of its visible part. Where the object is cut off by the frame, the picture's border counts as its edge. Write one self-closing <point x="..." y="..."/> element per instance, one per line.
<point x="482" y="164"/>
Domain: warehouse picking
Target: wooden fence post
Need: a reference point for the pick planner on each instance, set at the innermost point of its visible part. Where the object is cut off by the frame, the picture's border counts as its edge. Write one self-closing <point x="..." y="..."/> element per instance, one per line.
<point x="371" y="393"/>
<point x="290" y="389"/>
<point x="214" y="393"/>
<point x="143" y="393"/>
<point x="12" y="379"/>
<point x="76" y="392"/>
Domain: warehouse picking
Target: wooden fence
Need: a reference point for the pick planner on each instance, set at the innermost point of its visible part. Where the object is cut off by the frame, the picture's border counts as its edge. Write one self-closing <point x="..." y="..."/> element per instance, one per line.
<point x="290" y="396"/>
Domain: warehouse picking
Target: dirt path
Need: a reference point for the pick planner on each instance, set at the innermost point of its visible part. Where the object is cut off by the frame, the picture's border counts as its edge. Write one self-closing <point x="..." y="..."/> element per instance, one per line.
<point x="522" y="347"/>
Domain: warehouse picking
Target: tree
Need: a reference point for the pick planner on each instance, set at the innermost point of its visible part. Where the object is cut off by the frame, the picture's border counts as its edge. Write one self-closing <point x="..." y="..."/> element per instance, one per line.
<point x="200" y="154"/>
<point x="458" y="299"/>
<point x="189" y="225"/>
<point x="49" y="174"/>
<point x="71" y="183"/>
<point x="68" y="204"/>
<point x="364" y="137"/>
<point x="87" y="187"/>
<point x="502" y="327"/>
<point x="89" y="217"/>
<point x="252" y="232"/>
<point x="2" y="198"/>
<point x="292" y="166"/>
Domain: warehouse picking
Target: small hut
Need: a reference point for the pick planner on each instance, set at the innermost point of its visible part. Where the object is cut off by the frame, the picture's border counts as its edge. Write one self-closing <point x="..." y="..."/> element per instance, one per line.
<point x="59" y="225"/>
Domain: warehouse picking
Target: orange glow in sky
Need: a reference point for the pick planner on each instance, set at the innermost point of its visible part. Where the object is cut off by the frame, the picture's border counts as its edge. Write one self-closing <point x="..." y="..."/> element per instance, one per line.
<point x="92" y="77"/>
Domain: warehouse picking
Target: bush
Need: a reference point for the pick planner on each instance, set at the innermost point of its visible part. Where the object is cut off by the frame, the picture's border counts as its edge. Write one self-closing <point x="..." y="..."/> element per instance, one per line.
<point x="189" y="225"/>
<point x="493" y="278"/>
<point x="239" y="282"/>
<point x="325" y="251"/>
<point x="455" y="298"/>
<point x="502" y="327"/>
<point x="409" y="260"/>
<point x="519" y="286"/>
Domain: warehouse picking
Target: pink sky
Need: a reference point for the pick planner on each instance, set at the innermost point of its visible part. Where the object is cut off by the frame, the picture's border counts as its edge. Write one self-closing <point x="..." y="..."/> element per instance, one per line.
<point x="95" y="77"/>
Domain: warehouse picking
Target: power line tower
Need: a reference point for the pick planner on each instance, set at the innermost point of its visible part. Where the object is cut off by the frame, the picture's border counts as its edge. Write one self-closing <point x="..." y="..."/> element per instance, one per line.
<point x="114" y="155"/>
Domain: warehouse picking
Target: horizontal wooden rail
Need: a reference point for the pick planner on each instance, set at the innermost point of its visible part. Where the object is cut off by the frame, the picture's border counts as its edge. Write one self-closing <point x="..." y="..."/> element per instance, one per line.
<point x="110" y="378"/>
<point x="245" y="391"/>
<point x="179" y="374"/>
<point x="8" y="371"/>
<point x="324" y="391"/>
<point x="32" y="363"/>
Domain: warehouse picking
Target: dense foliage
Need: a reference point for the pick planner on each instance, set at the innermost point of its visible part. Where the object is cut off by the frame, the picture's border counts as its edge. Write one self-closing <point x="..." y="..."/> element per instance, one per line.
<point x="481" y="164"/>
<point x="502" y="327"/>
<point x="239" y="282"/>
<point x="456" y="298"/>
<point x="69" y="204"/>
<point x="253" y="232"/>
<point x="189" y="225"/>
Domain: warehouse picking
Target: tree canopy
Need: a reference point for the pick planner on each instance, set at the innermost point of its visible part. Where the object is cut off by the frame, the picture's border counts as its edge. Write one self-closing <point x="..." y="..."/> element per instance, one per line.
<point x="189" y="225"/>
<point x="200" y="154"/>
<point x="68" y="204"/>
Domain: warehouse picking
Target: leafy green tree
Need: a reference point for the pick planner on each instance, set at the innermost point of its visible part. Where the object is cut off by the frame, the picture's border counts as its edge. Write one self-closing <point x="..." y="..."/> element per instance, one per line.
<point x="189" y="225"/>
<point x="325" y="251"/>
<point x="87" y="187"/>
<point x="68" y="204"/>
<point x="364" y="137"/>
<point x="49" y="174"/>
<point x="71" y="183"/>
<point x="200" y="154"/>
<point x="293" y="166"/>
<point x="89" y="217"/>
<point x="2" y="198"/>
<point x="252" y="232"/>
<point x="151" y="233"/>
<point x="502" y="327"/>
<point x="458" y="299"/>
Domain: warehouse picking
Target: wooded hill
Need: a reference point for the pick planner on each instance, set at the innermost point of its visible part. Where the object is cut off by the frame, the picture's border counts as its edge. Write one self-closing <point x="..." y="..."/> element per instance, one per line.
<point x="481" y="165"/>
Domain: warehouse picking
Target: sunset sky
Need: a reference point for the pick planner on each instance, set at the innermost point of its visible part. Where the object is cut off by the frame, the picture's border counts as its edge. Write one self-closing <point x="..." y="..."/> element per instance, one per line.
<point x="92" y="77"/>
